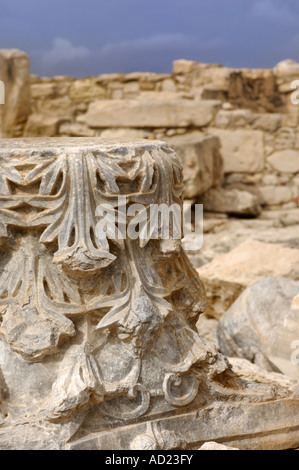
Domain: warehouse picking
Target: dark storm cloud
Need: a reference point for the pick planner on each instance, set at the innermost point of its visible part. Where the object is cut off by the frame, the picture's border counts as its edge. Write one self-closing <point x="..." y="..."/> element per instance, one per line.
<point x="89" y="37"/>
<point x="154" y="53"/>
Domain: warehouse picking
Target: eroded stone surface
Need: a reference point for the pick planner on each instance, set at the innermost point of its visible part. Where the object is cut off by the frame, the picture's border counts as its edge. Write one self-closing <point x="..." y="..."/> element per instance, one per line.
<point x="98" y="338"/>
<point x="262" y="326"/>
<point x="202" y="162"/>
<point x="215" y="446"/>
<point x="15" y="74"/>
<point x="285" y="161"/>
<point x="228" y="275"/>
<point x="249" y="110"/>
<point x="159" y="113"/>
<point x="231" y="201"/>
<point x="242" y="150"/>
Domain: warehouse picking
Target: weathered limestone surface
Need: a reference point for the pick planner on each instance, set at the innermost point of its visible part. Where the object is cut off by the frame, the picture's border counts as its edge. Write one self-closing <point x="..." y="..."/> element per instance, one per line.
<point x="137" y="113"/>
<point x="42" y="125"/>
<point x="287" y="68"/>
<point x="250" y="111"/>
<point x="202" y="162"/>
<point x="249" y="370"/>
<point x="262" y="325"/>
<point x="215" y="446"/>
<point x="98" y="343"/>
<point x="277" y="195"/>
<point x="229" y="274"/>
<point x="285" y="161"/>
<point x="223" y="234"/>
<point x="295" y="303"/>
<point x="231" y="201"/>
<point x="242" y="150"/>
<point x="15" y="74"/>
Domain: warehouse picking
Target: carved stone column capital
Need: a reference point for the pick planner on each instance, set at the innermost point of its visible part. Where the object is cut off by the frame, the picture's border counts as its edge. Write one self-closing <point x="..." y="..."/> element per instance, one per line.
<point x="97" y="324"/>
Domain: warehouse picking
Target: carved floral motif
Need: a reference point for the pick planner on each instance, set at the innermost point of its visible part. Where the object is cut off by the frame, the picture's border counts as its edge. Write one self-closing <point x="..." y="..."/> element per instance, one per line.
<point x="127" y="301"/>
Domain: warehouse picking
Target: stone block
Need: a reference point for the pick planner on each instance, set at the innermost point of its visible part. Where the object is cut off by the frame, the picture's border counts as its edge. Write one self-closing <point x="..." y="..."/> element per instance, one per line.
<point x="155" y="114"/>
<point x="42" y="125"/>
<point x="202" y="162"/>
<point x="99" y="348"/>
<point x="262" y="326"/>
<point x="242" y="150"/>
<point x="228" y="275"/>
<point x="231" y="201"/>
<point x="87" y="89"/>
<point x="285" y="161"/>
<point x="15" y="74"/>
<point x="276" y="195"/>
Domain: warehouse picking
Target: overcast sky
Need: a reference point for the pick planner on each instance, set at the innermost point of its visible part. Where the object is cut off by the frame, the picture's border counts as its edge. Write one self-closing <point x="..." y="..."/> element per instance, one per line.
<point x="81" y="38"/>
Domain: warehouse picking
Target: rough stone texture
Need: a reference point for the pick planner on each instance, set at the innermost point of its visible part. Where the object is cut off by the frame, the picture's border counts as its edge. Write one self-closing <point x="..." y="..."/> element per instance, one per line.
<point x="134" y="113"/>
<point x="124" y="133"/>
<point x="15" y="74"/>
<point x="277" y="195"/>
<point x="234" y="118"/>
<point x="183" y="66"/>
<point x="42" y="125"/>
<point x="287" y="68"/>
<point x="286" y="218"/>
<point x="229" y="274"/>
<point x="246" y="369"/>
<point x="261" y="325"/>
<point x="242" y="150"/>
<point x="207" y="328"/>
<point x="295" y="303"/>
<point x="231" y="201"/>
<point x="75" y="130"/>
<point x="253" y="116"/>
<point x="57" y="108"/>
<point x="87" y="88"/>
<point x="202" y="162"/>
<point x="215" y="446"/>
<point x="267" y="122"/>
<point x="229" y="233"/>
<point x="99" y="348"/>
<point x="285" y="161"/>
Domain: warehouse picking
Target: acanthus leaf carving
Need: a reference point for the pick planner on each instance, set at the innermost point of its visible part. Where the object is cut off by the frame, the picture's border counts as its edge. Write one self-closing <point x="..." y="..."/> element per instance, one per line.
<point x="30" y="320"/>
<point x="140" y="309"/>
<point x="78" y="385"/>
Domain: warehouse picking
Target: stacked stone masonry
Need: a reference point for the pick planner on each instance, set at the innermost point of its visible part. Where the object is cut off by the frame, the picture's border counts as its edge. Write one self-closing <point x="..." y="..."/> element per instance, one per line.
<point x="249" y="112"/>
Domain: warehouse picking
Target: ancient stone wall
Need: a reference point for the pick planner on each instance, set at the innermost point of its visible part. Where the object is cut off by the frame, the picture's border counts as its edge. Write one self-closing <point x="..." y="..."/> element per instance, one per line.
<point x="15" y="80"/>
<point x="249" y="111"/>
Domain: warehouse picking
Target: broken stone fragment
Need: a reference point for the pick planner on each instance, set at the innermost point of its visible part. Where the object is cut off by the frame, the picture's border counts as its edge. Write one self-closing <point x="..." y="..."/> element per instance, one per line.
<point x="262" y="326"/>
<point x="152" y="114"/>
<point x="99" y="348"/>
<point x="15" y="74"/>
<point x="215" y="446"/>
<point x="242" y="150"/>
<point x="286" y="69"/>
<point x="202" y="162"/>
<point x="231" y="201"/>
<point x="228" y="275"/>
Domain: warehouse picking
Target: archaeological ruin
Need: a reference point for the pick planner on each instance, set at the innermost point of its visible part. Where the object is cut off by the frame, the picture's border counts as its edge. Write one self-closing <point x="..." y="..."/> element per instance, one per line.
<point x="149" y="342"/>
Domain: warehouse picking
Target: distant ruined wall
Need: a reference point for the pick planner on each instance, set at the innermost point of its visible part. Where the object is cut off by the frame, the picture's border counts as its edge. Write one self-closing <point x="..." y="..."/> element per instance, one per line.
<point x="15" y="77"/>
<point x="196" y="109"/>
